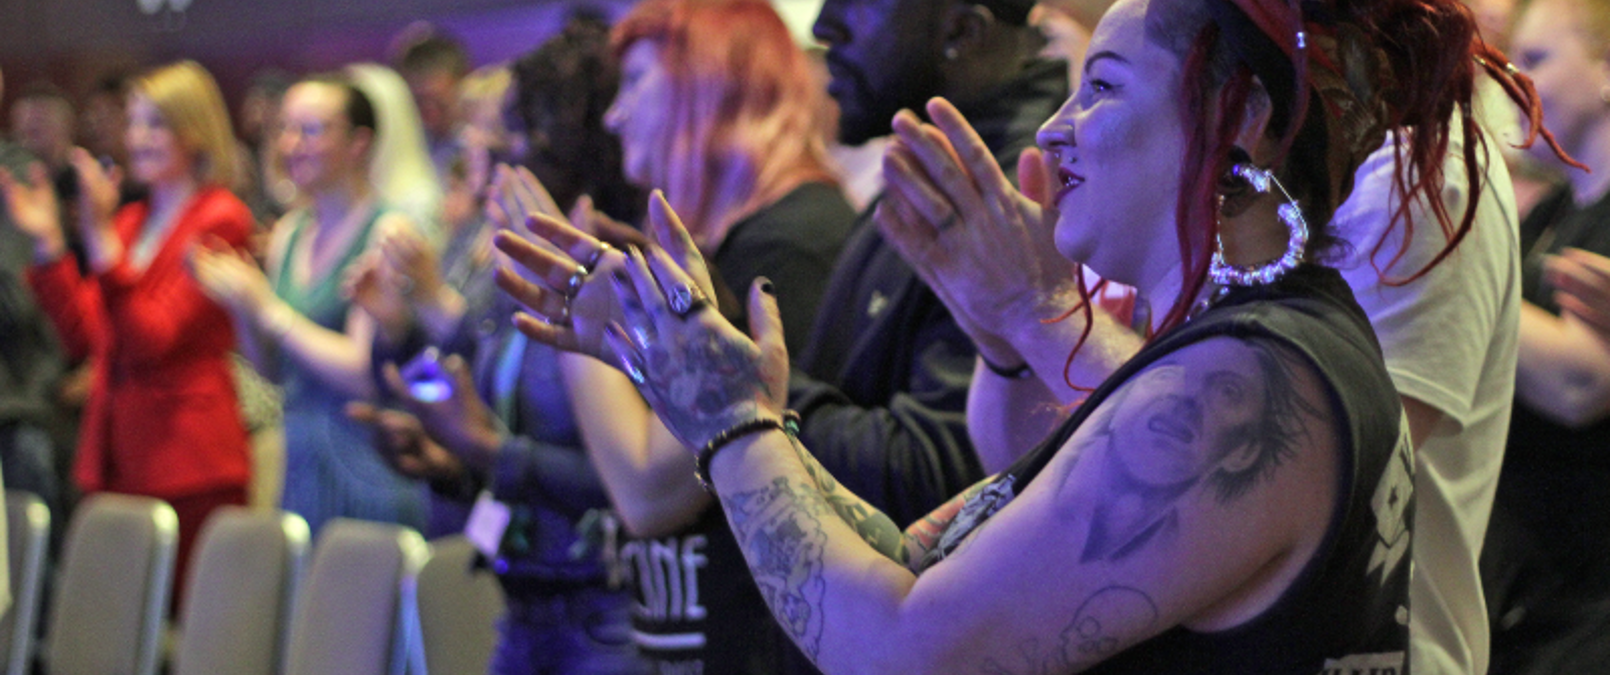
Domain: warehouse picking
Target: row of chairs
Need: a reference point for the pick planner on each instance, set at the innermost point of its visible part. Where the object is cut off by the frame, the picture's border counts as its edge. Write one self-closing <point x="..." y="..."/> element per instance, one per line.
<point x="373" y="598"/>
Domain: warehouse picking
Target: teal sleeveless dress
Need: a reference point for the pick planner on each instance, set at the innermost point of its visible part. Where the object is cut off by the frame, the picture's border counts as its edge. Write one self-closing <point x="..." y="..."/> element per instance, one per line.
<point x="331" y="467"/>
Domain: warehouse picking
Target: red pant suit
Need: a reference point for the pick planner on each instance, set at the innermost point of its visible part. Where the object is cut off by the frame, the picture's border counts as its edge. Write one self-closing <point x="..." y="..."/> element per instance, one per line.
<point x="162" y="419"/>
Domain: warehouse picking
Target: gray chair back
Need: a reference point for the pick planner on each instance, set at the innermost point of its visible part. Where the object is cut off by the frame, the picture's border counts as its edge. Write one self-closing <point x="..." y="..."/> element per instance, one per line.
<point x="355" y="612"/>
<point x="27" y="540"/>
<point x="112" y="592"/>
<point x="458" y="610"/>
<point x="243" y="578"/>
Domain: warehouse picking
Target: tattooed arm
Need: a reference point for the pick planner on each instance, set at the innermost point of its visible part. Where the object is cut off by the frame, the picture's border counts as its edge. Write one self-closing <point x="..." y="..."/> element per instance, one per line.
<point x="1222" y="456"/>
<point x="1194" y="496"/>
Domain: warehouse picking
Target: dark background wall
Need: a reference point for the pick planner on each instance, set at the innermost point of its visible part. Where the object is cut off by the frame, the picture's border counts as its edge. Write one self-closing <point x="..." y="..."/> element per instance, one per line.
<point x="73" y="43"/>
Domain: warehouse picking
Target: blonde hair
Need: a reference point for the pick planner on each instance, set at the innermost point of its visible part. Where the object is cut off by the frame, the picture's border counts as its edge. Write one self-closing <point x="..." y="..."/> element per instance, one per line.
<point x="190" y="103"/>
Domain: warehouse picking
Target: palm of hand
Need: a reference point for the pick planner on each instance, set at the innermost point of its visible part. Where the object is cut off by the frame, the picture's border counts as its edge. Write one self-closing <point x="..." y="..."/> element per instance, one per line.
<point x="596" y="306"/>
<point x="369" y="289"/>
<point x="227" y="277"/>
<point x="34" y="209"/>
<point x="97" y="191"/>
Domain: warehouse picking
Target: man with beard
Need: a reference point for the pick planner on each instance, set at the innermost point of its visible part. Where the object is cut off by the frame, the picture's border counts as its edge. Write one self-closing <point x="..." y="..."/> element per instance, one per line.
<point x="882" y="388"/>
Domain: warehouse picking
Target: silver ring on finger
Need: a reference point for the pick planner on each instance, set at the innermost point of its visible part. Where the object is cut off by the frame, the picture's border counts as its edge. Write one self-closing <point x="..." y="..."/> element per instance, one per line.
<point x="562" y="318"/>
<point x="597" y="256"/>
<point x="573" y="285"/>
<point x="684" y="300"/>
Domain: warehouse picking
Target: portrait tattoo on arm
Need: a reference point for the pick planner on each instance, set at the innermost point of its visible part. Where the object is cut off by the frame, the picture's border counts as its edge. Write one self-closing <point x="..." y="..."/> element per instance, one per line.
<point x="1226" y="423"/>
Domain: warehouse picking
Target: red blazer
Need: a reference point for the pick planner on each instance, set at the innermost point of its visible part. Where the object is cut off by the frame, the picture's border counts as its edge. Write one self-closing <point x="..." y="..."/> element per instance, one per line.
<point x="162" y="417"/>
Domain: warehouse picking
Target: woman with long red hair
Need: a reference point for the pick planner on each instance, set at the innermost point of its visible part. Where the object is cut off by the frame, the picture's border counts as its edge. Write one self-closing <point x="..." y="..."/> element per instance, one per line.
<point x="718" y="112"/>
<point x="1235" y="497"/>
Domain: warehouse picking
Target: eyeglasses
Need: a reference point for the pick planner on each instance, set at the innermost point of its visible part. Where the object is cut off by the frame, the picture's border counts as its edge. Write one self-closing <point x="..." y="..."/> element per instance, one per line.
<point x="312" y="130"/>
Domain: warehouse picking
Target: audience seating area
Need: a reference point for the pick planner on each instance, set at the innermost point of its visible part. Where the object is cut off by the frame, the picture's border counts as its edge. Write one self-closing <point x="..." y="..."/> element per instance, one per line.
<point x="366" y="598"/>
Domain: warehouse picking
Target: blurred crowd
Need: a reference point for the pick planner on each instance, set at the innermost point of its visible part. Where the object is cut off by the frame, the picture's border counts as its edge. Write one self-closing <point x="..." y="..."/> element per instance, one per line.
<point x="329" y="302"/>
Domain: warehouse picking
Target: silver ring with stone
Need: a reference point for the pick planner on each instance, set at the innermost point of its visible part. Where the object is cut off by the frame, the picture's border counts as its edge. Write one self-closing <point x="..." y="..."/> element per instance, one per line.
<point x="684" y="300"/>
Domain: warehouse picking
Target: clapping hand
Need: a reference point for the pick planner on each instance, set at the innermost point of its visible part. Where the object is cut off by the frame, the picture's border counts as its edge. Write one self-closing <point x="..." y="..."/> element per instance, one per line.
<point x="461" y="423"/>
<point x="985" y="247"/>
<point x="697" y="371"/>
<point x="568" y="307"/>
<point x="229" y="276"/>
<point x="98" y="191"/>
<point x="405" y="446"/>
<point x="33" y="207"/>
<point x="1582" y="287"/>
<point x="376" y="288"/>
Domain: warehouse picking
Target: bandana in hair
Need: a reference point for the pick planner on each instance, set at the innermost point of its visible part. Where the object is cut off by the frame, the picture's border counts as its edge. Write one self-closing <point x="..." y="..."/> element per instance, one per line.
<point x="1296" y="47"/>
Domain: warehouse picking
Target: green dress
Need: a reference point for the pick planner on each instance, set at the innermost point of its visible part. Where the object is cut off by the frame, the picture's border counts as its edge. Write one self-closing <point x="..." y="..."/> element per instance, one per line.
<point x="331" y="467"/>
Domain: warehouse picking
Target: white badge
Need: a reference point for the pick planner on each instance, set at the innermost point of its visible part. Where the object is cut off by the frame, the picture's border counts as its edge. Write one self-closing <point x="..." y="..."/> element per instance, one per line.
<point x="488" y="520"/>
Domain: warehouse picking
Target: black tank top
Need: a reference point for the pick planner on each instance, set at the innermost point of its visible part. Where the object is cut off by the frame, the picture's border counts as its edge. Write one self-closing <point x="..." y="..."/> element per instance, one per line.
<point x="1348" y="611"/>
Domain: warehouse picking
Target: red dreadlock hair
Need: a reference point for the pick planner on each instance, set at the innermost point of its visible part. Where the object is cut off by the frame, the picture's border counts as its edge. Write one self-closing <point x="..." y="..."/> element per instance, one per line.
<point x="1340" y="76"/>
<point x="1423" y="57"/>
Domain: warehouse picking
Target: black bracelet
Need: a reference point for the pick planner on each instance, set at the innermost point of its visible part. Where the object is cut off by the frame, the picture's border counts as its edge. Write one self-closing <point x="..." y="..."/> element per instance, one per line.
<point x="1017" y="373"/>
<point x="788" y="424"/>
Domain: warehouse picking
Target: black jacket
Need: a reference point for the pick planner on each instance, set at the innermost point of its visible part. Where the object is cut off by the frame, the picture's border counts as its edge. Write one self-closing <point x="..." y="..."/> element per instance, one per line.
<point x="882" y="386"/>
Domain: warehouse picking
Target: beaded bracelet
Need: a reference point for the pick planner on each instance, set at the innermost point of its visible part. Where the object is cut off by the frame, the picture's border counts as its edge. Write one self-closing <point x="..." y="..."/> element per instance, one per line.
<point x="789" y="424"/>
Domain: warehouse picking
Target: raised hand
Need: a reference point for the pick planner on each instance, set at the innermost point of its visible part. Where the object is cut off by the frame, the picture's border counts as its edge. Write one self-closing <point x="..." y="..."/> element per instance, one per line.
<point x="34" y="209"/>
<point x="98" y="191"/>
<point x="559" y="273"/>
<point x="403" y="443"/>
<point x="462" y="423"/>
<point x="1582" y="287"/>
<point x="699" y="373"/>
<point x="229" y="276"/>
<point x="376" y="289"/>
<point x="984" y="247"/>
<point x="413" y="261"/>
<point x="515" y="194"/>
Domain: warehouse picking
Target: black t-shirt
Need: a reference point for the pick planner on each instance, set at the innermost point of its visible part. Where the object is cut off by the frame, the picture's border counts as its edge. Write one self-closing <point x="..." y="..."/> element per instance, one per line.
<point x="1348" y="610"/>
<point x="793" y="242"/>
<point x="698" y="610"/>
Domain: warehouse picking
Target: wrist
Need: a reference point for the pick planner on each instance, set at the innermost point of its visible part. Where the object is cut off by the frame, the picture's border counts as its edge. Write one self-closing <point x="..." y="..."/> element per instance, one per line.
<point x="483" y="451"/>
<point x="274" y="317"/>
<point x="441" y="310"/>
<point x="788" y="423"/>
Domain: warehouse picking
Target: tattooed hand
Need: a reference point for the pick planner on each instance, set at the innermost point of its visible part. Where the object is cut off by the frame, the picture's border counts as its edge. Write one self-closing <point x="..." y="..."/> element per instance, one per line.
<point x="699" y="373"/>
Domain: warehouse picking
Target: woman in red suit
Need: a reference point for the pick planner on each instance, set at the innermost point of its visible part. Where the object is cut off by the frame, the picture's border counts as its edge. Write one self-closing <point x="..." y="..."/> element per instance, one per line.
<point x="162" y="418"/>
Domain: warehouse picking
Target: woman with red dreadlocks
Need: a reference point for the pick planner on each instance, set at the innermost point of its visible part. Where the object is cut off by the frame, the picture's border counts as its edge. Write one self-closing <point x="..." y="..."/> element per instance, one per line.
<point x="1235" y="498"/>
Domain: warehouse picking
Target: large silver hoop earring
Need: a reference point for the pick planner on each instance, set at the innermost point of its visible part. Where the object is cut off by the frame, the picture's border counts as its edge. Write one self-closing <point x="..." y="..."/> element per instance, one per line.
<point x="1225" y="274"/>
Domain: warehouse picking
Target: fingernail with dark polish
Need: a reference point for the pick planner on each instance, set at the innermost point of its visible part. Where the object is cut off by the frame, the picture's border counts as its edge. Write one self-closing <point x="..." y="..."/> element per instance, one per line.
<point x="767" y="287"/>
